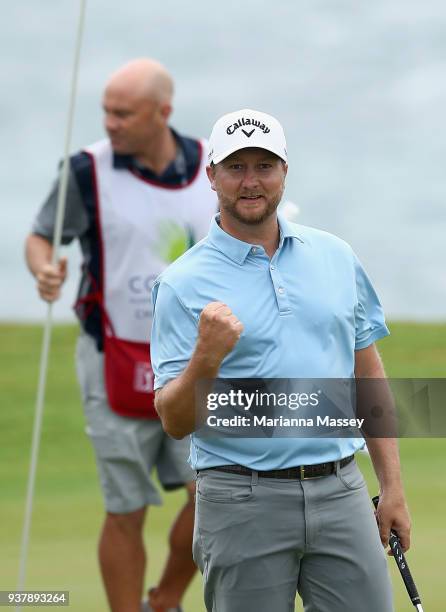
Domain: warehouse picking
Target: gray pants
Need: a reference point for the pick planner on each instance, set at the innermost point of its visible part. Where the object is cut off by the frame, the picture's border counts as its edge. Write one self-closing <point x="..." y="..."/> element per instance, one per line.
<point x="257" y="541"/>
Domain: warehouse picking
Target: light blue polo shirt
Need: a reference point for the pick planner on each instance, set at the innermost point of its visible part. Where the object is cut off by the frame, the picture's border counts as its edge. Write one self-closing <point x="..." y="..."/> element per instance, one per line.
<point x="304" y="313"/>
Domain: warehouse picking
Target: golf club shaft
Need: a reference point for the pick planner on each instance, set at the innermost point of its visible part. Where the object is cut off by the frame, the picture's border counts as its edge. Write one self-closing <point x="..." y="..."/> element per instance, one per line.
<point x="400" y="559"/>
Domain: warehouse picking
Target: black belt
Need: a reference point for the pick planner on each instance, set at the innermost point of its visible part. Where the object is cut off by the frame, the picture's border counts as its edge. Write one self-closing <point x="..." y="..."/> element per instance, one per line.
<point x="302" y="472"/>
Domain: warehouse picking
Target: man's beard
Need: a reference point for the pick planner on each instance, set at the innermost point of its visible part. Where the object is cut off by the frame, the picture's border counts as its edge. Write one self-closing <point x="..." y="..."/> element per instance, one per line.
<point x="230" y="207"/>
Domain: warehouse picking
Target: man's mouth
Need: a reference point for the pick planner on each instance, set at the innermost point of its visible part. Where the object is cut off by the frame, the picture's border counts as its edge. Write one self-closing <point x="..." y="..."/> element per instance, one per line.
<point x="251" y="198"/>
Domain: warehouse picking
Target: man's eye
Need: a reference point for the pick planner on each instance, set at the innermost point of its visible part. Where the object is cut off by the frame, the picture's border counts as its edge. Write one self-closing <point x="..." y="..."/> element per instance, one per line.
<point x="235" y="167"/>
<point x="265" y="166"/>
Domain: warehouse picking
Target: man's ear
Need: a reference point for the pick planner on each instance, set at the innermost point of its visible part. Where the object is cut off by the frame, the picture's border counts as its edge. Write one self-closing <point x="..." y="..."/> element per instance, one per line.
<point x="210" y="171"/>
<point x="166" y="110"/>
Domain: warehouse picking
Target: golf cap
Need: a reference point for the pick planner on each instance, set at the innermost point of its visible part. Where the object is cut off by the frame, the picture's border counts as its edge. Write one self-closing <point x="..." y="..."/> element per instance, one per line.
<point x="243" y="129"/>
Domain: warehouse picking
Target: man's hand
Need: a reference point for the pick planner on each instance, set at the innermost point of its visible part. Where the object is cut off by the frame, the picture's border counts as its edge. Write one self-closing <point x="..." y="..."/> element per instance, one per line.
<point x="219" y="330"/>
<point x="50" y="279"/>
<point x="392" y="514"/>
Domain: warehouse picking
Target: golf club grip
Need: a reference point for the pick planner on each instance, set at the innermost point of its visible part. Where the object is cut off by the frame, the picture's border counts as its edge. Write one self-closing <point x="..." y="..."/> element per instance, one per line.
<point x="400" y="559"/>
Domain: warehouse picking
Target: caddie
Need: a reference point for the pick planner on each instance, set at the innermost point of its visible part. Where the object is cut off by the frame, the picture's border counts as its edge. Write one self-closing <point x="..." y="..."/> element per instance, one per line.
<point x="136" y="200"/>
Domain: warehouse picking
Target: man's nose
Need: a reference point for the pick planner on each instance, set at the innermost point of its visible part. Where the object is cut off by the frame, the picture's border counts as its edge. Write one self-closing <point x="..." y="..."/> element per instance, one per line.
<point x="250" y="178"/>
<point x="111" y="122"/>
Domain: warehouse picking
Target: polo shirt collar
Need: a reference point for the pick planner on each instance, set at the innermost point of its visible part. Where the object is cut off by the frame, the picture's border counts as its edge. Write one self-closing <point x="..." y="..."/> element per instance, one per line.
<point x="238" y="250"/>
<point x="235" y="249"/>
<point x="287" y="229"/>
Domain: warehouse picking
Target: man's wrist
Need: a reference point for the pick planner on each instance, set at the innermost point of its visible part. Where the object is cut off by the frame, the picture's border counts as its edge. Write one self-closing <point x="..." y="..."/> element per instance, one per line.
<point x="392" y="486"/>
<point x="205" y="361"/>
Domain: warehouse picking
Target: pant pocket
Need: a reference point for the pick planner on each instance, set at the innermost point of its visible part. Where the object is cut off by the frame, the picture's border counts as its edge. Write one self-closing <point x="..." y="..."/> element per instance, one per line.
<point x="236" y="490"/>
<point x="351" y="477"/>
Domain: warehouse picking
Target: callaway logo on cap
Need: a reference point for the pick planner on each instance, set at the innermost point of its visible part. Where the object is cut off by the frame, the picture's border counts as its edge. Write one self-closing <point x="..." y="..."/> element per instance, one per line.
<point x="243" y="129"/>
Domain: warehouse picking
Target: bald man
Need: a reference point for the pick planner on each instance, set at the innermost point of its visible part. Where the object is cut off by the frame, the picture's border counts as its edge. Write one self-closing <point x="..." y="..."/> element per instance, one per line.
<point x="136" y="200"/>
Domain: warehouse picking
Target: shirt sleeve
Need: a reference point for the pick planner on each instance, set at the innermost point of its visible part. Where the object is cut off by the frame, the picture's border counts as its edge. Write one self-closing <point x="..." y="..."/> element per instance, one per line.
<point x="174" y="334"/>
<point x="370" y="323"/>
<point x="75" y="218"/>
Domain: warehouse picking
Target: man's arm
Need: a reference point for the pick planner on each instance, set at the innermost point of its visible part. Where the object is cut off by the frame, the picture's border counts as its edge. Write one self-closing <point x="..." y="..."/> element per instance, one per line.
<point x="38" y="246"/>
<point x="218" y="332"/>
<point x="392" y="512"/>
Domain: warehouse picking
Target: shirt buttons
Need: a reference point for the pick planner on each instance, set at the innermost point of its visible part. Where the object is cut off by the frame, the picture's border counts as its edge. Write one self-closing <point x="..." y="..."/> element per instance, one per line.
<point x="272" y="267"/>
<point x="281" y="290"/>
<point x="254" y="250"/>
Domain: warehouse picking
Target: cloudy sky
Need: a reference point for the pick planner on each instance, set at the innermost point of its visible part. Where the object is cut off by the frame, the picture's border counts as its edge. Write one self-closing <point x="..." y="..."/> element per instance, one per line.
<point x="359" y="87"/>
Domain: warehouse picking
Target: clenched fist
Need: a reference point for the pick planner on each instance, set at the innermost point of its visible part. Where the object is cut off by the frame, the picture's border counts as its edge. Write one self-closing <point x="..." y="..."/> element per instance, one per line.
<point x="219" y="330"/>
<point x="50" y="279"/>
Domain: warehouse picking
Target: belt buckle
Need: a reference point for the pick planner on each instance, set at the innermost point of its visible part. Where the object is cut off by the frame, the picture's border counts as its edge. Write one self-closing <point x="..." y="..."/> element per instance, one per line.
<point x="303" y="476"/>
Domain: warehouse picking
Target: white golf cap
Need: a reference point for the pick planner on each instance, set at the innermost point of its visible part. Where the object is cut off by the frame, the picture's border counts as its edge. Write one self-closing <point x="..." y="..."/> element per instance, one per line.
<point x="243" y="129"/>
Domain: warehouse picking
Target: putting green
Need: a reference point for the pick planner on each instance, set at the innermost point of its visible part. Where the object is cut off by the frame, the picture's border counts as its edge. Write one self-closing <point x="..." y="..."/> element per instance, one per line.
<point x="68" y="509"/>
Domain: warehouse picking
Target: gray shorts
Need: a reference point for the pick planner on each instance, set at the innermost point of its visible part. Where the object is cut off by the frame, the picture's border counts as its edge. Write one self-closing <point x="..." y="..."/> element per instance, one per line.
<point x="126" y="449"/>
<point x="260" y="541"/>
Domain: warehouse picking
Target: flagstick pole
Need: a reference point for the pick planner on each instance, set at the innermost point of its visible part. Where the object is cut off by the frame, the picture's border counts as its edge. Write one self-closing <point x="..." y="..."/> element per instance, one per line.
<point x="40" y="399"/>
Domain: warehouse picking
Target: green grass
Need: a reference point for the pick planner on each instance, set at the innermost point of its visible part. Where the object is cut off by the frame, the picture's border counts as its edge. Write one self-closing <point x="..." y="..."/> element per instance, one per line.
<point x="415" y="350"/>
<point x="68" y="508"/>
